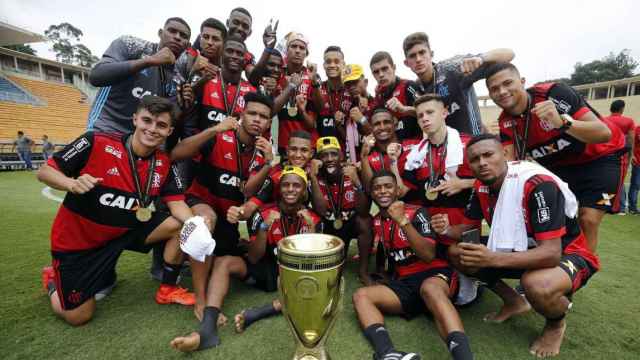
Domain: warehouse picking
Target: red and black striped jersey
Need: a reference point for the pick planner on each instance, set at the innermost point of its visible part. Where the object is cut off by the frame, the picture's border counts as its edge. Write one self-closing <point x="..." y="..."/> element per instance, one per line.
<point x="348" y="201"/>
<point x="549" y="146"/>
<point x="287" y="123"/>
<point x="407" y="127"/>
<point x="281" y="228"/>
<point x="106" y="212"/>
<point x="333" y="101"/>
<point x="212" y="106"/>
<point x="544" y="216"/>
<point x="219" y="178"/>
<point x="397" y="246"/>
<point x="381" y="161"/>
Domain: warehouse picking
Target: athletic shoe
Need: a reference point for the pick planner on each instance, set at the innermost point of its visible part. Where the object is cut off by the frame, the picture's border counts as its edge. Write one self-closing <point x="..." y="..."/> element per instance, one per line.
<point x="397" y="355"/>
<point x="634" y="212"/>
<point x="622" y="213"/>
<point x="48" y="275"/>
<point x="468" y="291"/>
<point x="173" y="294"/>
<point x="107" y="290"/>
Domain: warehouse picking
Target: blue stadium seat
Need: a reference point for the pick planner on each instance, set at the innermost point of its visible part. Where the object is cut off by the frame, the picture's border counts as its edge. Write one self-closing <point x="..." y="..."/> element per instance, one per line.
<point x="10" y="92"/>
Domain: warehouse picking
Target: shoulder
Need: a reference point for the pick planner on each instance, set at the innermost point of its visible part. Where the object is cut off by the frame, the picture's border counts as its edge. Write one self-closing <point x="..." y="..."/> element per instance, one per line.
<point x="136" y="46"/>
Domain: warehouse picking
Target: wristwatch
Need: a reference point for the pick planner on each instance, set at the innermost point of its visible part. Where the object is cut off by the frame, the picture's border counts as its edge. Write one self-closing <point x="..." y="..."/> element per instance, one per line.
<point x="567" y="122"/>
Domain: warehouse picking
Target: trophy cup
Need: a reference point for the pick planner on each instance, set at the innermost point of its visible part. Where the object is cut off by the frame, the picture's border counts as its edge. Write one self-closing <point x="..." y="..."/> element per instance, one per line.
<point x="311" y="289"/>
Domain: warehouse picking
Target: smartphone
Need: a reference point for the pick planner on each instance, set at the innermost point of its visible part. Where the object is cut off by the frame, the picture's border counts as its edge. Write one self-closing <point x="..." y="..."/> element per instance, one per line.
<point x="471" y="236"/>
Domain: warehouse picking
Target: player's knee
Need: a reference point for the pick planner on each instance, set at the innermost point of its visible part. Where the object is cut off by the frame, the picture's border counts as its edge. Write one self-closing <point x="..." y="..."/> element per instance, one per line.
<point x="360" y="297"/>
<point x="589" y="220"/>
<point x="431" y="291"/>
<point x="223" y="263"/>
<point x="78" y="316"/>
<point x="537" y="288"/>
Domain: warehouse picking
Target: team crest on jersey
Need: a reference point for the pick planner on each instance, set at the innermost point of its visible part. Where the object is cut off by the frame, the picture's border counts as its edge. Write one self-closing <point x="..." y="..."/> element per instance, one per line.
<point x="349" y="195"/>
<point x="240" y="101"/>
<point x="158" y="163"/>
<point x="215" y="95"/>
<point x="228" y="156"/>
<point x="113" y="151"/>
<point x="155" y="182"/>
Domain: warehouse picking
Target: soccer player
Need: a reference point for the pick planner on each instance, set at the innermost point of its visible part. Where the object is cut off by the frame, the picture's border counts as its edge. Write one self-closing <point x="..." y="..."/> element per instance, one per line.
<point x="294" y="92"/>
<point x="382" y="150"/>
<point x="132" y="68"/>
<point x="420" y="280"/>
<point x="553" y="125"/>
<point x="534" y="237"/>
<point x="230" y="152"/>
<point x="299" y="154"/>
<point x="223" y="95"/>
<point x="338" y="196"/>
<point x="627" y="126"/>
<point x="452" y="79"/>
<point x="112" y="182"/>
<point x="240" y="24"/>
<point x="635" y="173"/>
<point x="394" y="94"/>
<point x="260" y="266"/>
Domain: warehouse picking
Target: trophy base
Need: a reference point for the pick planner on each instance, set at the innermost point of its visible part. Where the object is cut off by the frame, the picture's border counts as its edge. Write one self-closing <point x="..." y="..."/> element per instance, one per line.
<point x="315" y="353"/>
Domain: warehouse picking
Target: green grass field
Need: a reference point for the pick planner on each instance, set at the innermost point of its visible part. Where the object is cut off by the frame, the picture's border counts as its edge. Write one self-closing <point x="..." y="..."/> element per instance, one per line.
<point x="604" y="322"/>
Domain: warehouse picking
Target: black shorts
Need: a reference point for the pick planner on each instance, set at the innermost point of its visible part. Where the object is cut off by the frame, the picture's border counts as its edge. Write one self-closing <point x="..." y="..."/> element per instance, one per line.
<point x="81" y="274"/>
<point x="578" y="269"/>
<point x="225" y="234"/>
<point x="263" y="275"/>
<point x="348" y="231"/>
<point x="408" y="288"/>
<point x="595" y="183"/>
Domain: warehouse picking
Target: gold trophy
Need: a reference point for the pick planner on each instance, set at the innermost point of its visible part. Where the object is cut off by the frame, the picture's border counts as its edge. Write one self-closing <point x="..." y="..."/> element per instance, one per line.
<point x="311" y="287"/>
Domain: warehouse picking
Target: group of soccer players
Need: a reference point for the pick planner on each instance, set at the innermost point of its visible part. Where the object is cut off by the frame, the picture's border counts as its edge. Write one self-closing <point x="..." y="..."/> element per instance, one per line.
<point x="180" y="130"/>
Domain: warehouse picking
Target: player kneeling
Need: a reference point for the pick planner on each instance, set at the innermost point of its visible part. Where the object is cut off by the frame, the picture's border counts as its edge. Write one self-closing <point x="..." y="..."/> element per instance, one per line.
<point x="534" y="237"/>
<point x="420" y="279"/>
<point x="112" y="182"/>
<point x="268" y="226"/>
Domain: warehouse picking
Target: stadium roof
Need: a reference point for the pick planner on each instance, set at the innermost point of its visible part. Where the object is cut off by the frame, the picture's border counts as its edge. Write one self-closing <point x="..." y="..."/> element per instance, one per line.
<point x="13" y="35"/>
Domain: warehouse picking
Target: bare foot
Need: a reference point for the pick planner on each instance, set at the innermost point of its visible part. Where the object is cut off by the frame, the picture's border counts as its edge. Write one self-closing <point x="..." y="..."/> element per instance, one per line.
<point x="520" y="305"/>
<point x="548" y="344"/>
<point x="187" y="343"/>
<point x="222" y="320"/>
<point x="239" y="320"/>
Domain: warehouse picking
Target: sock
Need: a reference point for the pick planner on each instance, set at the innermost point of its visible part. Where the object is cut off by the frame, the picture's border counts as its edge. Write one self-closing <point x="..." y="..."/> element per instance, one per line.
<point x="51" y="288"/>
<point x="458" y="345"/>
<point x="209" y="328"/>
<point x="170" y="273"/>
<point x="254" y="314"/>
<point x="378" y="336"/>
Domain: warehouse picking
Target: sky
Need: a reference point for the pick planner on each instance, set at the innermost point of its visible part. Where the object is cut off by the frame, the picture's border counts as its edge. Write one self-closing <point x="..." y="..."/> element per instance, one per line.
<point x="548" y="37"/>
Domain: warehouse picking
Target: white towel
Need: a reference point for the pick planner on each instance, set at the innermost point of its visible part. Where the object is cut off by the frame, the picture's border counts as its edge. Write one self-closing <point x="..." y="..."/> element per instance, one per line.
<point x="195" y="239"/>
<point x="508" y="229"/>
<point x="455" y="152"/>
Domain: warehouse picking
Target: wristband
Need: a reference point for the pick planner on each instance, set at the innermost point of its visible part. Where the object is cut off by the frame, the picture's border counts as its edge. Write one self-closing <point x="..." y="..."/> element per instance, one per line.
<point x="567" y="122"/>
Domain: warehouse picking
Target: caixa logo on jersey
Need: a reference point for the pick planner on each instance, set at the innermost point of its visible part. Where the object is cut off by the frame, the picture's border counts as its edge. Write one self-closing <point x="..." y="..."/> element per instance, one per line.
<point x="546" y="150"/>
<point x="231" y="180"/>
<point x="216" y="116"/>
<point x="117" y="201"/>
<point x="138" y="92"/>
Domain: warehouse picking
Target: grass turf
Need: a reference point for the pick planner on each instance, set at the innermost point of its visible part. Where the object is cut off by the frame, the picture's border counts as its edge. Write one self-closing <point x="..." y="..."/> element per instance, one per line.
<point x="604" y="322"/>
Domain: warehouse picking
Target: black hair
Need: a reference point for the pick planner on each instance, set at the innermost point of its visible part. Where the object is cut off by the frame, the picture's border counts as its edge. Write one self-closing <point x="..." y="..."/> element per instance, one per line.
<point x="483" y="137"/>
<point x="497" y="67"/>
<point x="414" y="39"/>
<point x="214" y="24"/>
<point x="235" y="38"/>
<point x="379" y="110"/>
<point x="617" y="106"/>
<point x="300" y="134"/>
<point x="334" y="48"/>
<point x="157" y="105"/>
<point x="180" y="20"/>
<point x="20" y="132"/>
<point x="428" y="97"/>
<point x="380" y="56"/>
<point x="258" y="98"/>
<point x="382" y="173"/>
<point x="241" y="10"/>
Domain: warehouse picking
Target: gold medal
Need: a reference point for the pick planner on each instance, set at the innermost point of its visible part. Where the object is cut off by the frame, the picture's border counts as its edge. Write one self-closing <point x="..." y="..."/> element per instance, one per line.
<point x="292" y="111"/>
<point x="143" y="214"/>
<point x="430" y="193"/>
<point x="337" y="224"/>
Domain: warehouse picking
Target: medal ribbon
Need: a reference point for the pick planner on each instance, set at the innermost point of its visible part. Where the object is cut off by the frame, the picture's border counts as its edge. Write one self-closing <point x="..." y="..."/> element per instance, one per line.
<point x="143" y="197"/>
<point x="521" y="141"/>
<point x="336" y="210"/>
<point x="432" y="172"/>
<point x="224" y="96"/>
